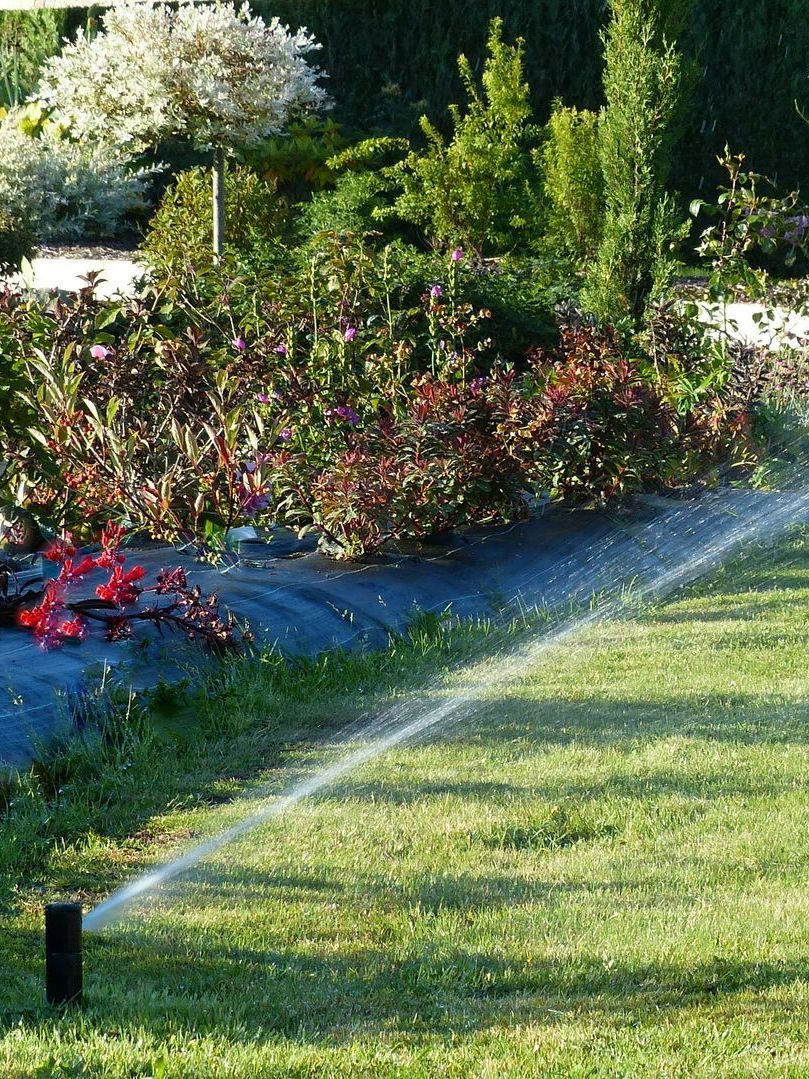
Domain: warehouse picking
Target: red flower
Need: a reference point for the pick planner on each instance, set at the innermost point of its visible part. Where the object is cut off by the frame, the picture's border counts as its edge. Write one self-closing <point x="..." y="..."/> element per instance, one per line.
<point x="69" y="572"/>
<point x="74" y="629"/>
<point x="32" y="619"/>
<point x="120" y="589"/>
<point x="86" y="565"/>
<point x="59" y="549"/>
<point x="42" y="618"/>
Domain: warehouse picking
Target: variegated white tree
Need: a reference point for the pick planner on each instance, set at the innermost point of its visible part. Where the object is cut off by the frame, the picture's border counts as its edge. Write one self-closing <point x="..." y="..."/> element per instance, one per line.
<point x="212" y="73"/>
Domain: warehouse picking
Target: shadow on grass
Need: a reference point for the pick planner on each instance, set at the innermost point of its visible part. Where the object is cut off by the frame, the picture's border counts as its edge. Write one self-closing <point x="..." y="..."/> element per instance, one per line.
<point x="745" y="610"/>
<point x="406" y="792"/>
<point x="244" y="994"/>
<point x="597" y="721"/>
<point x="139" y="981"/>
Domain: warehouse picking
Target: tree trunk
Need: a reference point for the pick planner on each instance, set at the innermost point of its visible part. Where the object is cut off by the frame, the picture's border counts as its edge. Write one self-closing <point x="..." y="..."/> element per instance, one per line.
<point x="218" y="203"/>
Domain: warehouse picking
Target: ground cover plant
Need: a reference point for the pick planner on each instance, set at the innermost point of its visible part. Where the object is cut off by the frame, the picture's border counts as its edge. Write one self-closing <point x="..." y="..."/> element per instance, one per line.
<point x="601" y="874"/>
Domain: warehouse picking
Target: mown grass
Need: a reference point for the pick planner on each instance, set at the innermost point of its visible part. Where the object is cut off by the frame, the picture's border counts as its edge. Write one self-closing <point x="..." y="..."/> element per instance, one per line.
<point x="603" y="872"/>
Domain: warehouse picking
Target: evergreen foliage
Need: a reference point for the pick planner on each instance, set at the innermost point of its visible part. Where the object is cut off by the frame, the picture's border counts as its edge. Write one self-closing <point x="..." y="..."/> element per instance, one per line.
<point x="751" y="59"/>
<point x="643" y="86"/>
<point x="475" y="188"/>
<point x="573" y="183"/>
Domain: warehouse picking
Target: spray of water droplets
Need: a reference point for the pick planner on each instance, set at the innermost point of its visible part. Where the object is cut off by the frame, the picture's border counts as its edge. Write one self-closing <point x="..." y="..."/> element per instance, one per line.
<point x="640" y="560"/>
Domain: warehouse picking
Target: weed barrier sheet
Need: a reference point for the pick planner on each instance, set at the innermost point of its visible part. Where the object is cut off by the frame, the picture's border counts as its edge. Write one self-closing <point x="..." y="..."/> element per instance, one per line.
<point x="303" y="602"/>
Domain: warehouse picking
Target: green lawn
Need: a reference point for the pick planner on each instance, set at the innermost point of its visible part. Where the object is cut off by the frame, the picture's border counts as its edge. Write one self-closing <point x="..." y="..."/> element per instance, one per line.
<point x="605" y="873"/>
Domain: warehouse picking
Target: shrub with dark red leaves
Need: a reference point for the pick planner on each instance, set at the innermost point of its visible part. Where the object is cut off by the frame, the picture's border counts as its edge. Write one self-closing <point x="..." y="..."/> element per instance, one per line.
<point x="585" y="422"/>
<point x="598" y="424"/>
<point x="438" y="467"/>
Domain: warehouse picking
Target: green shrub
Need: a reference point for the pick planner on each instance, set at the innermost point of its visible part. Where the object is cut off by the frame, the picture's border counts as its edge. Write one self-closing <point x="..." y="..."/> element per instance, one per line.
<point x="400" y="64"/>
<point x="573" y="183"/>
<point x="643" y="85"/>
<point x="352" y="205"/>
<point x="521" y="294"/>
<point x="297" y="162"/>
<point x="66" y="190"/>
<point x="27" y="39"/>
<point x="478" y="188"/>
<point x="16" y="243"/>
<point x="179" y="239"/>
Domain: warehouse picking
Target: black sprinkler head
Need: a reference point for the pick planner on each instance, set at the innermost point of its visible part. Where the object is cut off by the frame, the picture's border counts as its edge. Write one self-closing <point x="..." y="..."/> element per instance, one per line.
<point x="63" y="960"/>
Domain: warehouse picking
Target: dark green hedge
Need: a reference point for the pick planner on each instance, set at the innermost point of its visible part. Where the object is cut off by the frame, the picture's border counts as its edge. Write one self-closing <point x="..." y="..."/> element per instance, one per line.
<point x="391" y="59"/>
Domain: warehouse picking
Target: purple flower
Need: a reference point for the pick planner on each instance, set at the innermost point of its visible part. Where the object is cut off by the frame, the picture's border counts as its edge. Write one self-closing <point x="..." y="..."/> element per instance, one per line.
<point x="436" y="292"/>
<point x="457" y="254"/>
<point x="254" y="503"/>
<point x="285" y="434"/>
<point x="100" y="352"/>
<point x="800" y="223"/>
<point x="281" y="349"/>
<point x="350" y="333"/>
<point x="477" y="384"/>
<point x="239" y="344"/>
<point x="263" y="398"/>
<point x="347" y="413"/>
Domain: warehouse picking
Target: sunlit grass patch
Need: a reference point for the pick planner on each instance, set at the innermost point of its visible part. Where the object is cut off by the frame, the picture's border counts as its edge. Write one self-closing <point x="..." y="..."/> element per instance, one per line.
<point x="603" y="871"/>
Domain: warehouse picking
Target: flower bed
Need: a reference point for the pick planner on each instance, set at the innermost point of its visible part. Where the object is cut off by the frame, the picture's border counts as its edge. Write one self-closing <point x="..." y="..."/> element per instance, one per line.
<point x="347" y="398"/>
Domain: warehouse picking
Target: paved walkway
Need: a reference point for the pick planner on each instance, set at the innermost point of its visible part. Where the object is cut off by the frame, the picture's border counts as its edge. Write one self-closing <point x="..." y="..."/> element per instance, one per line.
<point x="118" y="276"/>
<point x="750" y="322"/>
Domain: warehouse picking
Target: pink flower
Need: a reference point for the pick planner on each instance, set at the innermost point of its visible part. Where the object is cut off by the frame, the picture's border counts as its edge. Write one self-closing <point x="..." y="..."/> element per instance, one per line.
<point x="263" y="398"/>
<point x="239" y="344"/>
<point x="457" y="254"/>
<point x="281" y="349"/>
<point x="350" y="333"/>
<point x="436" y="292"/>
<point x="100" y="352"/>
<point x="285" y="434"/>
